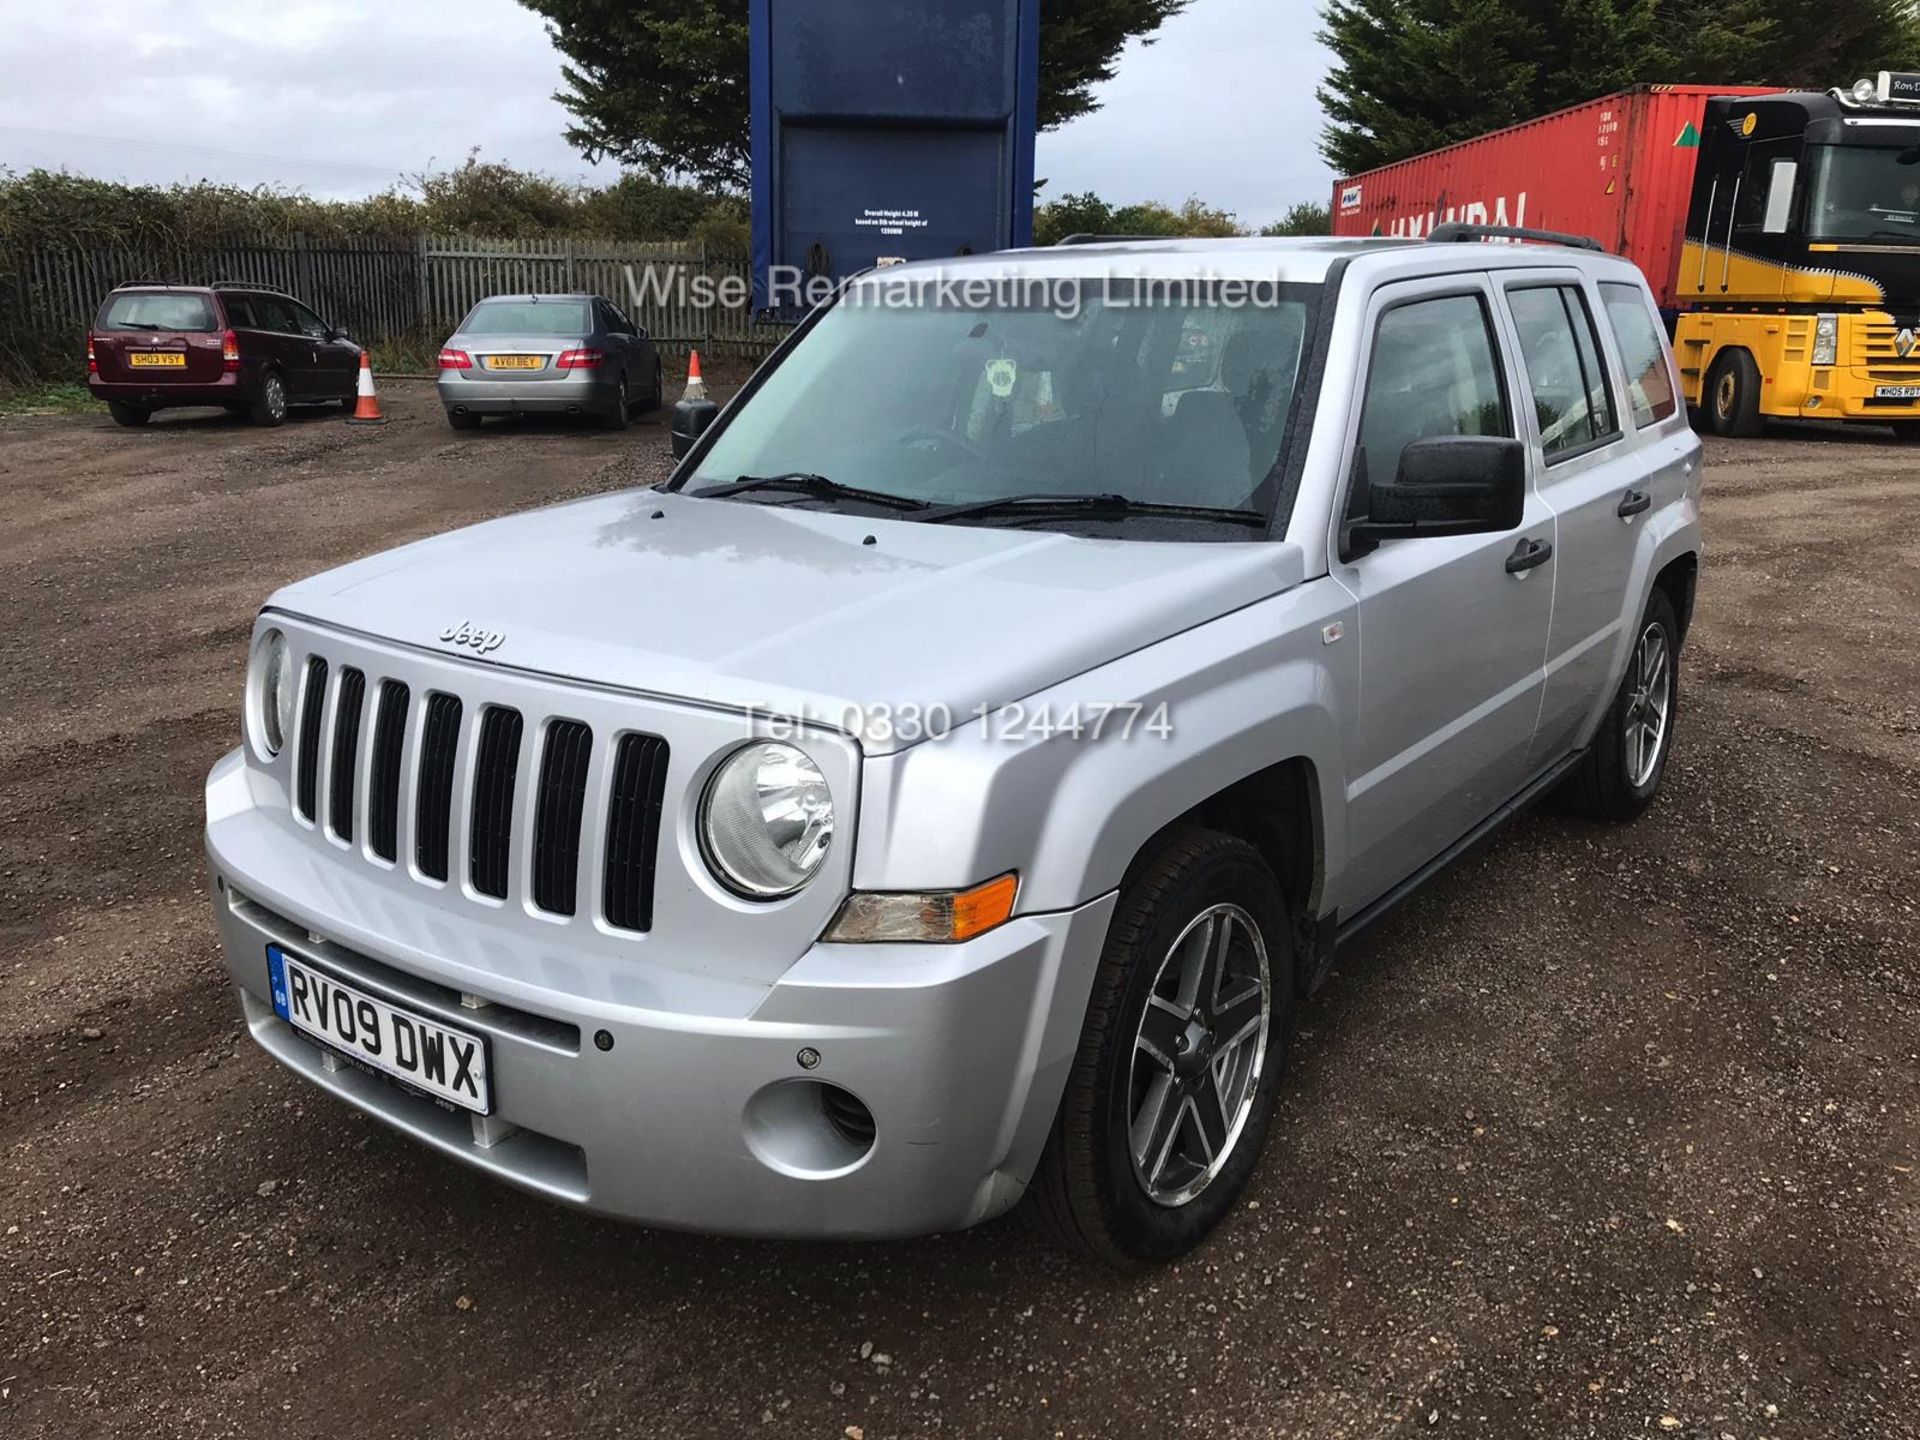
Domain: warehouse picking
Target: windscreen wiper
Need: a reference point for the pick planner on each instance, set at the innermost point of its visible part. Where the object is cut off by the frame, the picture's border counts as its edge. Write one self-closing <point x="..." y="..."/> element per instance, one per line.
<point x="801" y="482"/>
<point x="1096" y="506"/>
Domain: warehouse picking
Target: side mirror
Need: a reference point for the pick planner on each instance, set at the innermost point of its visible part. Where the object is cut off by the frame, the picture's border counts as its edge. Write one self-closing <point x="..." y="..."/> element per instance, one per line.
<point x="1447" y="485"/>
<point x="690" y="421"/>
<point x="640" y="333"/>
<point x="338" y="332"/>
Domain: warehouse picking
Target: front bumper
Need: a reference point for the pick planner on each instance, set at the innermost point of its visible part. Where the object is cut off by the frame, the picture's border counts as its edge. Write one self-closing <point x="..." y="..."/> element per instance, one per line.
<point x="578" y="395"/>
<point x="697" y="1115"/>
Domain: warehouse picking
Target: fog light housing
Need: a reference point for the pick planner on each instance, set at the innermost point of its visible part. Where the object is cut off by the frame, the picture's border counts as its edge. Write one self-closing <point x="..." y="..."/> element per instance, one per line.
<point x="1826" y="340"/>
<point x="937" y="917"/>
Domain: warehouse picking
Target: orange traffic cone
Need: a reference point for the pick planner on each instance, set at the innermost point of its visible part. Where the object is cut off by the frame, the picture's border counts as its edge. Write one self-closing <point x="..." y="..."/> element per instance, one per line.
<point x="696" y="387"/>
<point x="366" y="410"/>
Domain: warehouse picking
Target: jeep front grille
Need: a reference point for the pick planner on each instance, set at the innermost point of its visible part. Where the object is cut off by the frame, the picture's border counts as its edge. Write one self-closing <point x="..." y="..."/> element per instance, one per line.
<point x="306" y="781"/>
<point x="439" y="745"/>
<point x="346" y="751"/>
<point x="633" y="830"/>
<point x="493" y="770"/>
<point x="465" y="765"/>
<point x="556" y="818"/>
<point x="383" y="784"/>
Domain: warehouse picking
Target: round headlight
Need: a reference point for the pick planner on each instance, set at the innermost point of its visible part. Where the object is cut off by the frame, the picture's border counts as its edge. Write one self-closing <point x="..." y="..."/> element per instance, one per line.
<point x="276" y="691"/>
<point x="766" y="821"/>
<point x="1865" y="90"/>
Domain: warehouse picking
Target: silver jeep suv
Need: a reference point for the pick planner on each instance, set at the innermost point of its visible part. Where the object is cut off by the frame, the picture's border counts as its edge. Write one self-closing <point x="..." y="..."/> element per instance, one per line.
<point x="951" y="783"/>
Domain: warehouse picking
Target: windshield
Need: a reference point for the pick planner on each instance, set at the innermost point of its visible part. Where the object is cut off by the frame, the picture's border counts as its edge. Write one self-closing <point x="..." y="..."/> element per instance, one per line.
<point x="157" y="310"/>
<point x="1179" y="397"/>
<point x="561" y="319"/>
<point x="1865" y="194"/>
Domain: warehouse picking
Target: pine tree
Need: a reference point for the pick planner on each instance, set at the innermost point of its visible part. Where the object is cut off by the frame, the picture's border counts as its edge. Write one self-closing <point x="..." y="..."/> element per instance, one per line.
<point x="1411" y="75"/>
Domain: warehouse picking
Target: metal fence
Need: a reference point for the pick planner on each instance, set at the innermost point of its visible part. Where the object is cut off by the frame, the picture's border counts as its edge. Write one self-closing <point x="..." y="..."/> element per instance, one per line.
<point x="387" y="291"/>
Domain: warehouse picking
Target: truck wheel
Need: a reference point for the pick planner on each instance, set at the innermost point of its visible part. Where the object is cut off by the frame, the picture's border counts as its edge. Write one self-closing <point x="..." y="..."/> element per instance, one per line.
<point x="128" y="414"/>
<point x="1622" y="772"/>
<point x="1186" y="1039"/>
<point x="269" y="407"/>
<point x="1907" y="431"/>
<point x="1733" y="396"/>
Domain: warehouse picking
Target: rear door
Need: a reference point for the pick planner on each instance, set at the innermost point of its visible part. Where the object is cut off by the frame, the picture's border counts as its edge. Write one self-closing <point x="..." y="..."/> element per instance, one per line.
<point x="1613" y="448"/>
<point x="288" y="344"/>
<point x="158" y="338"/>
<point x="1452" y="642"/>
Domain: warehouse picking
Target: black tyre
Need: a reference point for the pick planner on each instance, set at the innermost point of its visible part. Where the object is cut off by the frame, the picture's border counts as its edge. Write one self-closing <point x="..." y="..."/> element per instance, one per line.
<point x="1186" y="1040"/>
<point x="617" y="417"/>
<point x="1622" y="772"/>
<point x="463" y="420"/>
<point x="1733" y="396"/>
<point x="1906" y="431"/>
<point x="269" y="407"/>
<point x="128" y="414"/>
<point x="657" y="397"/>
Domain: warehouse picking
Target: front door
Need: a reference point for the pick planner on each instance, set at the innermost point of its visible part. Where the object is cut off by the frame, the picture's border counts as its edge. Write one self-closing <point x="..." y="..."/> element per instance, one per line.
<point x="1453" y="629"/>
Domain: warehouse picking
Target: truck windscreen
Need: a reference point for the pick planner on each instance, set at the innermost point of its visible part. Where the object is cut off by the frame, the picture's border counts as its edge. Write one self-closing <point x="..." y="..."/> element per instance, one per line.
<point x="1865" y="193"/>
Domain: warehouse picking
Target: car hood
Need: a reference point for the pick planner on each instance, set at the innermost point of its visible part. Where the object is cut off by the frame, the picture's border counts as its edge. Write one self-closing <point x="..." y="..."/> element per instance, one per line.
<point x="802" y="613"/>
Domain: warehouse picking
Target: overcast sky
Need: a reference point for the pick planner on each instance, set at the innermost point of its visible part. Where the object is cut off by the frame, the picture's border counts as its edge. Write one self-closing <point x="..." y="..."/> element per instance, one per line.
<point x="344" y="97"/>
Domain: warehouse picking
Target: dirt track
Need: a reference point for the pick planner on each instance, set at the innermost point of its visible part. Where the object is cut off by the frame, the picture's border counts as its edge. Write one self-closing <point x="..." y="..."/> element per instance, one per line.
<point x="1609" y="1133"/>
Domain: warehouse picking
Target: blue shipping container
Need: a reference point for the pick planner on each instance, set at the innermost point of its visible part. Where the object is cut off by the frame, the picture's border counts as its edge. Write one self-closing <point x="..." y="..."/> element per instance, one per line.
<point x="889" y="130"/>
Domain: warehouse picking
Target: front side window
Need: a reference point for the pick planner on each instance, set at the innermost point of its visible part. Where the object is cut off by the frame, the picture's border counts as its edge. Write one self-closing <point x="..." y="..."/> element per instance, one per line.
<point x="157" y="310"/>
<point x="1863" y="193"/>
<point x="1643" y="352"/>
<point x="548" y="319"/>
<point x="307" y="322"/>
<point x="1561" y="353"/>
<point x="1178" y="396"/>
<point x="1434" y="372"/>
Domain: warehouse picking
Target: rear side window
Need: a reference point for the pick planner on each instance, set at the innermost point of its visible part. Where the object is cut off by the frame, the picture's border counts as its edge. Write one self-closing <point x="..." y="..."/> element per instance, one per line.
<point x="157" y="310"/>
<point x="559" y="319"/>
<point x="1643" y="352"/>
<point x="1561" y="352"/>
<point x="1433" y="372"/>
<point x="239" y="311"/>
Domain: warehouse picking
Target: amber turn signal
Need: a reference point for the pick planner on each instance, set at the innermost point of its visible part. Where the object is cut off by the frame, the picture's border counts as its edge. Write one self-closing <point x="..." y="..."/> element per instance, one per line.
<point x="943" y="917"/>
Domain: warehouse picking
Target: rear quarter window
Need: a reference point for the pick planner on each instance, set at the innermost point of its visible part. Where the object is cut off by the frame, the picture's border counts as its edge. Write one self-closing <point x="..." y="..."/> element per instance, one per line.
<point x="157" y="310"/>
<point x="1643" y="351"/>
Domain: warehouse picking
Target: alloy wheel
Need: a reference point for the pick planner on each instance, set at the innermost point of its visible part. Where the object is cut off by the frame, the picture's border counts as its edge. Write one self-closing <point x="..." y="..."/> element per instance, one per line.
<point x="1198" y="1054"/>
<point x="1649" y="703"/>
<point x="276" y="398"/>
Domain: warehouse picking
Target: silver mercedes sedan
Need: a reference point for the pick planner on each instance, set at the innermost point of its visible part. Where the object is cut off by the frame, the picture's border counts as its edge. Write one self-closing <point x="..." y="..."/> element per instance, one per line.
<point x="548" y="354"/>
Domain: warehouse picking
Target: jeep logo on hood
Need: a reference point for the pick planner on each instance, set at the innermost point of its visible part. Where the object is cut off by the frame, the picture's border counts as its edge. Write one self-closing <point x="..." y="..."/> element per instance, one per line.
<point x="466" y="633"/>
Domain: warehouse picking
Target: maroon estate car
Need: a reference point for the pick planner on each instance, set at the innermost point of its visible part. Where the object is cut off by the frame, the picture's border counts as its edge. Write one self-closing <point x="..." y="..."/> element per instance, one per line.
<point x="254" y="351"/>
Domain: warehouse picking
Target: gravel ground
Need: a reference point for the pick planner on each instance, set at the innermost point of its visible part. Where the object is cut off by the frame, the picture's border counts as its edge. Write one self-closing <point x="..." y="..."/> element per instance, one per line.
<point x="1608" y="1133"/>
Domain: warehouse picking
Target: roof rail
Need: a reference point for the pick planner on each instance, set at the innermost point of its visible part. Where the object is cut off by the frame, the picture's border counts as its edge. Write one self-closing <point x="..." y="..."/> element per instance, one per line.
<point x="1457" y="230"/>
<point x="1091" y="239"/>
<point x="248" y="285"/>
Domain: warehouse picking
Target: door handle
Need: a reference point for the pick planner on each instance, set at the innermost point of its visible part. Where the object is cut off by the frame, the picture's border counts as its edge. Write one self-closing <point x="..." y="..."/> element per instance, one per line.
<point x="1527" y="554"/>
<point x="1632" y="503"/>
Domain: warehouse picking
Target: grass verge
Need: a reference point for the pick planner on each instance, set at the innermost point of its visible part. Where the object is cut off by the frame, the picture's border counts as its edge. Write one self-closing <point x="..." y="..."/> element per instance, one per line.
<point x="66" y="398"/>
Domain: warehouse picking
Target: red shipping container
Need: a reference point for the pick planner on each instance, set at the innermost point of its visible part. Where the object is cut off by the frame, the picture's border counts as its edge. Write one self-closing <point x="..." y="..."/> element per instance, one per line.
<point x="1618" y="169"/>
